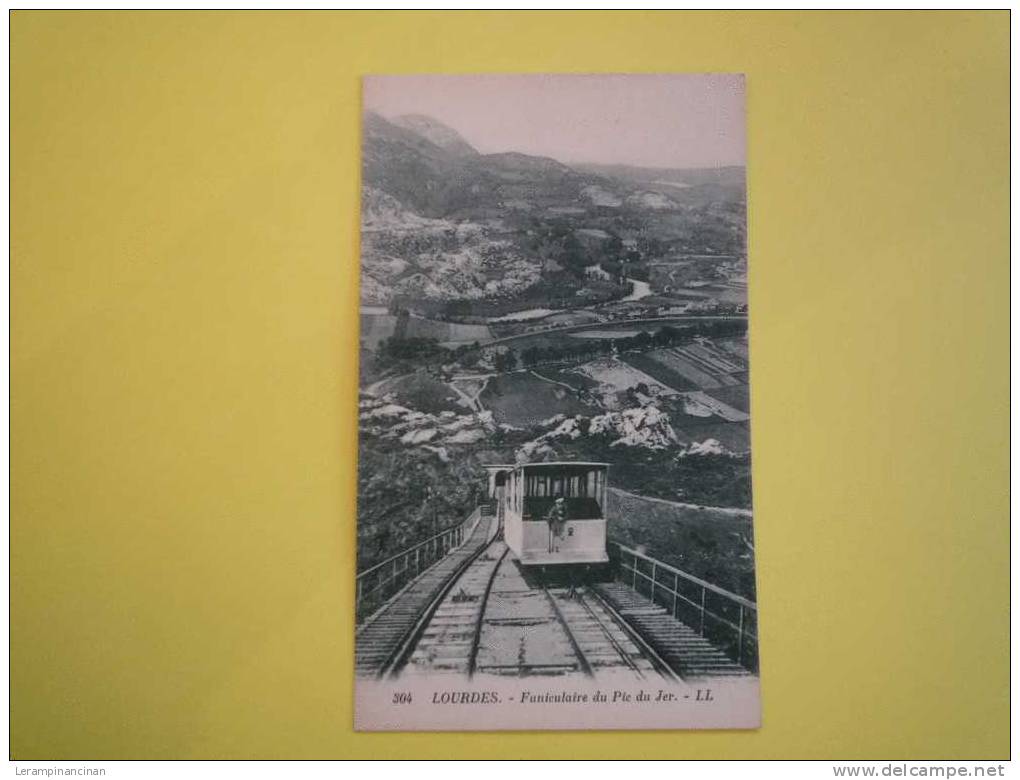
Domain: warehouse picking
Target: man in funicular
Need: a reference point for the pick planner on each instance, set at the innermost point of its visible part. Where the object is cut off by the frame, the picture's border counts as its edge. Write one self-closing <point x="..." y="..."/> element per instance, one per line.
<point x="557" y="517"/>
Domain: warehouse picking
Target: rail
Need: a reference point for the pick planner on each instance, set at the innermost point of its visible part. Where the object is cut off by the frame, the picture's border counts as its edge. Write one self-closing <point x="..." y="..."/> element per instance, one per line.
<point x="476" y="635"/>
<point x="582" y="659"/>
<point x="726" y="619"/>
<point x="649" y="652"/>
<point x="376" y="584"/>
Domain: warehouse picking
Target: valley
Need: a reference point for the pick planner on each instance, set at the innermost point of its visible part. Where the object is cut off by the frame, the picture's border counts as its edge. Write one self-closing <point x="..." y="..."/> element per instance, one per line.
<point x="517" y="309"/>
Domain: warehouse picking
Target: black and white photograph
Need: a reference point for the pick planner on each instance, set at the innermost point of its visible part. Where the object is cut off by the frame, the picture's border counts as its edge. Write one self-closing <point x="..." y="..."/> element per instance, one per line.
<point x="511" y="384"/>
<point x="555" y="522"/>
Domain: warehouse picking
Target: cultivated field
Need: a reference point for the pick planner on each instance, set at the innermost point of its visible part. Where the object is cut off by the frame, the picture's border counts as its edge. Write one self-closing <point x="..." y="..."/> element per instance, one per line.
<point x="566" y="376"/>
<point x="421" y="392"/>
<point x="604" y="334"/>
<point x="698" y="404"/>
<point x="736" y="396"/>
<point x="644" y="361"/>
<point x="453" y="334"/>
<point x="376" y="327"/>
<point x="714" y="359"/>
<point x="521" y="399"/>
<point x="616" y="376"/>
<point x="702" y="365"/>
<point x="570" y="318"/>
<point x="735" y="437"/>
<point x="735" y="346"/>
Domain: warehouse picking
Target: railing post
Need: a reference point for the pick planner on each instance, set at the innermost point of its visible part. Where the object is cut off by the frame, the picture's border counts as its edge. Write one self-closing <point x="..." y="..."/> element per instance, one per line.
<point x="744" y="634"/>
<point x="702" y="631"/>
<point x="357" y="598"/>
<point x="740" y="638"/>
<point x="417" y="566"/>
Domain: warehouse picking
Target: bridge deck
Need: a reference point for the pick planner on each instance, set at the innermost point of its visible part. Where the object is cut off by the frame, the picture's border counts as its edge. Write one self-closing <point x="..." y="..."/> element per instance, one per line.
<point x="379" y="639"/>
<point x="684" y="649"/>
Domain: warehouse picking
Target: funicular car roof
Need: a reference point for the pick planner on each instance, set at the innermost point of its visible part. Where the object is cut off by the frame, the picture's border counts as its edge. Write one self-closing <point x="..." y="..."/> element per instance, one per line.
<point x="563" y="465"/>
<point x="557" y="464"/>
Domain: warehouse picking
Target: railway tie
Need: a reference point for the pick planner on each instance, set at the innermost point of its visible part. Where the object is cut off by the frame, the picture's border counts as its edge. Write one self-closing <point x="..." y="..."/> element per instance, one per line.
<point x="688" y="653"/>
<point x="384" y="635"/>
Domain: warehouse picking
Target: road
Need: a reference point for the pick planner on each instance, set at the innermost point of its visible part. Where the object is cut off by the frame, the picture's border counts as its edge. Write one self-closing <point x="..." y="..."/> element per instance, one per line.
<point x="615" y="323"/>
<point x="726" y="510"/>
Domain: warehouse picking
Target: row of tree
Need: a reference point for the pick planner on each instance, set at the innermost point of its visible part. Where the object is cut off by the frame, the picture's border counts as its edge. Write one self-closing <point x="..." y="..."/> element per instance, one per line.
<point x="428" y="351"/>
<point x="587" y="349"/>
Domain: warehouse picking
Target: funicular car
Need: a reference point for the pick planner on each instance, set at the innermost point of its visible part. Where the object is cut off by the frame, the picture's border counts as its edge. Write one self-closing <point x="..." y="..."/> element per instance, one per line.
<point x="552" y="513"/>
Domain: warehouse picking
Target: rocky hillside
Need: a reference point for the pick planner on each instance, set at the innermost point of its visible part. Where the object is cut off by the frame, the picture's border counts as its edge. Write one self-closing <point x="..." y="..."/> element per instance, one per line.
<point x="433" y="171"/>
<point x="446" y="138"/>
<point x="419" y="471"/>
<point x="446" y="223"/>
<point x="406" y="254"/>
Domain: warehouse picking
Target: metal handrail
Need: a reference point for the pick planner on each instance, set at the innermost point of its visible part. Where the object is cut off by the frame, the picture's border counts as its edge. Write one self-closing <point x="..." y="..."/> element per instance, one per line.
<point x="397" y="570"/>
<point x="392" y="558"/>
<point x="690" y="577"/>
<point x="747" y="609"/>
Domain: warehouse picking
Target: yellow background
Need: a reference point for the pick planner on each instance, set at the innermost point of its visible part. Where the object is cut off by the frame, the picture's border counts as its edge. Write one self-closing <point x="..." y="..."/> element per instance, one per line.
<point x="184" y="313"/>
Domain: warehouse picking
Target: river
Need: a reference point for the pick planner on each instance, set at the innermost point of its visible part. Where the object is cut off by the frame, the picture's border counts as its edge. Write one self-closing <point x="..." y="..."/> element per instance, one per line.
<point x="640" y="290"/>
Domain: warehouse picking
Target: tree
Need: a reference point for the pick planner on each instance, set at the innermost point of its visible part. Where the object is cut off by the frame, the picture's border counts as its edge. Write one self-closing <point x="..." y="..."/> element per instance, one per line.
<point x="400" y="329"/>
<point x="614" y="248"/>
<point x="457" y="309"/>
<point x="573" y="256"/>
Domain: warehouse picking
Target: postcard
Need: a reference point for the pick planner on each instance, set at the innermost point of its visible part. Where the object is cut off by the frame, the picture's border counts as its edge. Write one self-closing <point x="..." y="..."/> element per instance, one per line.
<point x="554" y="482"/>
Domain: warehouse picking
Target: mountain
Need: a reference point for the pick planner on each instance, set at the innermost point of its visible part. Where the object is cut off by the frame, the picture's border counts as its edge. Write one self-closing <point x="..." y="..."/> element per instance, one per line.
<point x="521" y="163"/>
<point x="730" y="175"/>
<point x="433" y="130"/>
<point x="432" y="170"/>
<point x="406" y="254"/>
<point x="668" y="188"/>
<point x="409" y="167"/>
<point x="444" y="223"/>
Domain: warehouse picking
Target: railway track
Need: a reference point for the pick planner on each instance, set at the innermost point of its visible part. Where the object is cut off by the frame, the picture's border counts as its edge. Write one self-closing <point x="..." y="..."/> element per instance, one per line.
<point x="385" y="640"/>
<point x="449" y="643"/>
<point x="685" y="650"/>
<point x="477" y="612"/>
<point x="494" y="619"/>
<point x="608" y="644"/>
<point x="519" y="631"/>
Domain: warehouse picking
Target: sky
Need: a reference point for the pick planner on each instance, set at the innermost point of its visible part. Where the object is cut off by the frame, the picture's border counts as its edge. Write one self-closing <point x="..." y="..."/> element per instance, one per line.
<point x="660" y="121"/>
